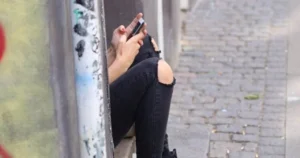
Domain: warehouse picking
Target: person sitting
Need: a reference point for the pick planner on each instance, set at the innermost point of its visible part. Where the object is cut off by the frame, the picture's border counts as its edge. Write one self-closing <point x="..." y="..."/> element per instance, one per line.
<point x="141" y="87"/>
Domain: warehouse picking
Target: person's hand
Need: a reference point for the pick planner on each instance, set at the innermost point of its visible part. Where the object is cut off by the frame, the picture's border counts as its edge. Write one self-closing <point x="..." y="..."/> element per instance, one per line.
<point x="118" y="32"/>
<point x="127" y="50"/>
<point x="155" y="45"/>
<point x="132" y="25"/>
<point x="121" y="30"/>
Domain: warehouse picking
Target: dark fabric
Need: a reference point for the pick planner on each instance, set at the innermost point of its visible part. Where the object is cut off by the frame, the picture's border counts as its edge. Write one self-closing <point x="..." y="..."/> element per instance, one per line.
<point x="146" y="51"/>
<point x="138" y="97"/>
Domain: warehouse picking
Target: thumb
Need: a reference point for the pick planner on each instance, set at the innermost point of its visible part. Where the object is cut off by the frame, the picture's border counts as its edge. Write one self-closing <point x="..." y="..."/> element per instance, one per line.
<point x="139" y="36"/>
<point x="119" y="30"/>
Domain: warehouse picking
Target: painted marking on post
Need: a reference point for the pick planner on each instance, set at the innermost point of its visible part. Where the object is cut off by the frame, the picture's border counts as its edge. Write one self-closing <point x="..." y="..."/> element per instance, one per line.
<point x="2" y="42"/>
<point x="4" y="153"/>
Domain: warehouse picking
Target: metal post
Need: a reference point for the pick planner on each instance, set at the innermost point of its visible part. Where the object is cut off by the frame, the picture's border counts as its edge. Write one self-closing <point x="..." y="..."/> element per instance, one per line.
<point x="91" y="78"/>
<point x="160" y="27"/>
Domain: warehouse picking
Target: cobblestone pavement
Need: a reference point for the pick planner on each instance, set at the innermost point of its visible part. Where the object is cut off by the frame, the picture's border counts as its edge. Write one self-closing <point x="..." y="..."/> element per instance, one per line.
<point x="231" y="48"/>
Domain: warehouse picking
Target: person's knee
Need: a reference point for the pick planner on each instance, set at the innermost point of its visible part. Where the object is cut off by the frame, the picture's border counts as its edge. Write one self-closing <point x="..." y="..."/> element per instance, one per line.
<point x="164" y="73"/>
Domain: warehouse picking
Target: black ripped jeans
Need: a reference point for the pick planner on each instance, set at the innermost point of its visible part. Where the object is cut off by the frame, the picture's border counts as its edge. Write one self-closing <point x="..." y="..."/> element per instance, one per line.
<point x="138" y="97"/>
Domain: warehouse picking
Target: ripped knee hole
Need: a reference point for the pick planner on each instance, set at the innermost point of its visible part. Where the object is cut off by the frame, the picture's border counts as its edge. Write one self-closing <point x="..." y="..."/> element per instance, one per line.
<point x="164" y="72"/>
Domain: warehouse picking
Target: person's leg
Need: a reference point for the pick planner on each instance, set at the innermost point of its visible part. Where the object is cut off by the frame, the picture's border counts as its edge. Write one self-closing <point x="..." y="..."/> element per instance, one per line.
<point x="148" y="50"/>
<point x="142" y="95"/>
<point x="151" y="118"/>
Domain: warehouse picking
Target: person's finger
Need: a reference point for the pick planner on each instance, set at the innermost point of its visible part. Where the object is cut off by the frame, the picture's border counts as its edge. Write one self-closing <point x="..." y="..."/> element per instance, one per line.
<point x="131" y="26"/>
<point x="141" y="42"/>
<point x="144" y="27"/>
<point x="139" y="36"/>
<point x="123" y="39"/>
<point x="154" y="44"/>
<point x="137" y="47"/>
<point x="135" y="20"/>
<point x="121" y="43"/>
<point x="122" y="29"/>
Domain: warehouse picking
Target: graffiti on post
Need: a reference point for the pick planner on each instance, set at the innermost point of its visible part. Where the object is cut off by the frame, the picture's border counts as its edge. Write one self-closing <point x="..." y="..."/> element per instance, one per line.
<point x="4" y="153"/>
<point x="2" y="42"/>
<point x="80" y="48"/>
<point x="80" y="30"/>
<point x="88" y="4"/>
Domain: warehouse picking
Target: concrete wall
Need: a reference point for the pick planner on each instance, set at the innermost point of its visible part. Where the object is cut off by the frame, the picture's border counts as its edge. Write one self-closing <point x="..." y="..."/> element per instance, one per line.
<point x="171" y="27"/>
<point x="294" y="47"/>
<point x="151" y="14"/>
<point x="293" y="85"/>
<point x="27" y="124"/>
<point x="192" y="3"/>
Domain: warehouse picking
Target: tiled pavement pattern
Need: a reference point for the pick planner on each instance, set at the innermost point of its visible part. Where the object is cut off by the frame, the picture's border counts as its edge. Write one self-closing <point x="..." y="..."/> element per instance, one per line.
<point x="231" y="48"/>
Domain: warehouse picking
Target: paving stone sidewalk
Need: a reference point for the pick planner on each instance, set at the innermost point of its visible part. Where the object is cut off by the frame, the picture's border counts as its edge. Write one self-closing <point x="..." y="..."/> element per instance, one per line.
<point x="231" y="48"/>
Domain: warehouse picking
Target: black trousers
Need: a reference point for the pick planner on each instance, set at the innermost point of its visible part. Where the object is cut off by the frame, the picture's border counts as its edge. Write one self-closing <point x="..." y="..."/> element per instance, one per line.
<point x="138" y="97"/>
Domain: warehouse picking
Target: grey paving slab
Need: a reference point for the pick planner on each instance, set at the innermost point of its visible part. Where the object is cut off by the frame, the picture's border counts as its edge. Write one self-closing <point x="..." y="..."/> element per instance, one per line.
<point x="191" y="142"/>
<point x="231" y="49"/>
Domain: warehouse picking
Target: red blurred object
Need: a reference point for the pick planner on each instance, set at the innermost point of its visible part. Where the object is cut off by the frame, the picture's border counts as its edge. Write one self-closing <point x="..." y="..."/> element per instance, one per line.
<point x="4" y="153"/>
<point x="2" y="42"/>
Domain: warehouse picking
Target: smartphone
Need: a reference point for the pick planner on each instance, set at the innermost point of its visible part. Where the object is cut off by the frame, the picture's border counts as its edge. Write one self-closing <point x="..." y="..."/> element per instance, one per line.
<point x="137" y="28"/>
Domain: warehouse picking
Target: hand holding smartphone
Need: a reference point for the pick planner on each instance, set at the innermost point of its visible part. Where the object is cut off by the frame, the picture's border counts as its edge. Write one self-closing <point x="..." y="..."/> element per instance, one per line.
<point x="137" y="28"/>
